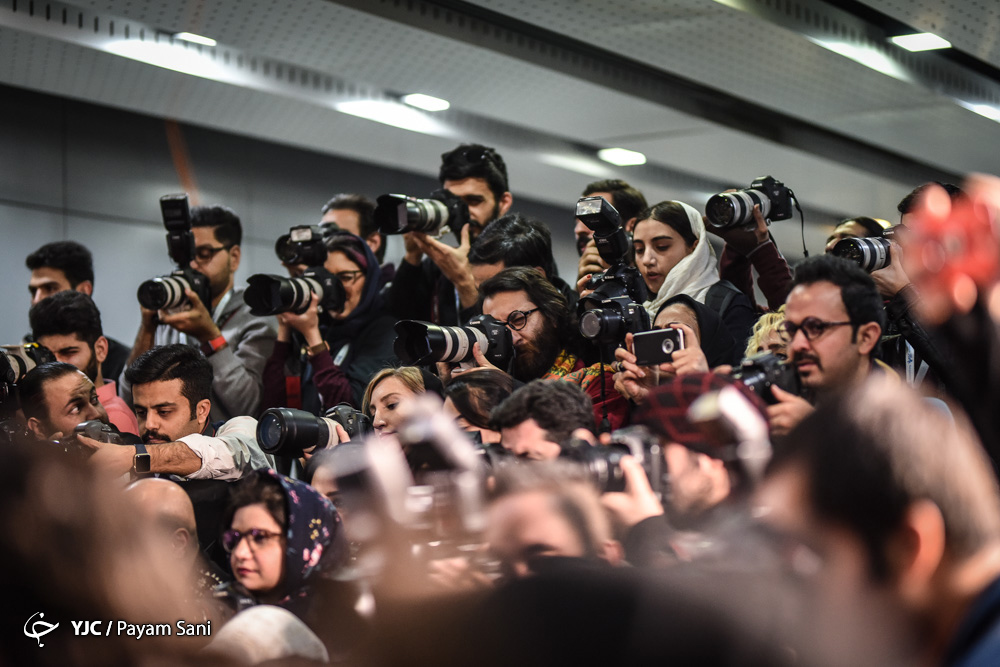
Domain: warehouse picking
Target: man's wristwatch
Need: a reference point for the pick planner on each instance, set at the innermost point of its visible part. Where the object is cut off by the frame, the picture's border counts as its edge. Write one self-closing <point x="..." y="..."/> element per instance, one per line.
<point x="141" y="464"/>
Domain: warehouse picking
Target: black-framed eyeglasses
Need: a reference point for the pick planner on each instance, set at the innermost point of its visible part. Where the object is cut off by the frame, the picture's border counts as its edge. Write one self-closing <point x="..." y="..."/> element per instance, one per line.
<point x="348" y="277"/>
<point x="205" y="253"/>
<point x="518" y="319"/>
<point x="811" y="327"/>
<point x="258" y="538"/>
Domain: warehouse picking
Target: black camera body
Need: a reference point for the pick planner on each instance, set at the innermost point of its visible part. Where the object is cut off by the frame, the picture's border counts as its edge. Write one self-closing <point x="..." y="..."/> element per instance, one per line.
<point x="602" y="463"/>
<point x="290" y="432"/>
<point x="871" y="254"/>
<point x="614" y="308"/>
<point x="304" y="244"/>
<point x="762" y="371"/>
<point x="435" y="216"/>
<point x="735" y="209"/>
<point x="167" y="292"/>
<point x="658" y="346"/>
<point x="421" y="343"/>
<point x="270" y="294"/>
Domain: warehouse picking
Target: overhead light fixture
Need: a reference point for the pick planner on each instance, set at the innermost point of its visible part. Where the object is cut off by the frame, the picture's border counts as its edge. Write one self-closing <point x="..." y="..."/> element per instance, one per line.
<point x="426" y="102"/>
<point x="621" y="157"/>
<point x="176" y="57"/>
<point x="195" y="39"/>
<point x="392" y="113"/>
<point x="984" y="110"/>
<point x="921" y="41"/>
<point x="867" y="56"/>
<point x="581" y="165"/>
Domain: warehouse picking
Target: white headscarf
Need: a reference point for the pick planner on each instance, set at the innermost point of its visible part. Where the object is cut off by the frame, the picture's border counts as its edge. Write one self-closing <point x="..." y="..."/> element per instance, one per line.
<point x="694" y="274"/>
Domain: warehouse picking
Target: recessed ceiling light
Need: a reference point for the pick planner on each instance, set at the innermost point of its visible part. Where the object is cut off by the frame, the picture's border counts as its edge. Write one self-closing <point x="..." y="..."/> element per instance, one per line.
<point x="392" y="113"/>
<point x="426" y="102"/>
<point x="195" y="39"/>
<point x="984" y="110"/>
<point x="621" y="157"/>
<point x="921" y="41"/>
<point x="865" y="55"/>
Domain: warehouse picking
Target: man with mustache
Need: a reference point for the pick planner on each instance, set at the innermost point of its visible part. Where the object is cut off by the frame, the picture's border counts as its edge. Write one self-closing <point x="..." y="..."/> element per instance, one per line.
<point x="171" y="386"/>
<point x="546" y="340"/>
<point x="833" y="321"/>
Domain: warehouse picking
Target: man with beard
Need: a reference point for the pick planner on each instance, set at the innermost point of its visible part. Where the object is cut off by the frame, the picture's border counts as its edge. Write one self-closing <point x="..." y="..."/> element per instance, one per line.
<point x="69" y="324"/>
<point x="833" y="321"/>
<point x="171" y="386"/>
<point x="546" y="340"/>
<point x="236" y="343"/>
<point x="434" y="281"/>
<point x="55" y="397"/>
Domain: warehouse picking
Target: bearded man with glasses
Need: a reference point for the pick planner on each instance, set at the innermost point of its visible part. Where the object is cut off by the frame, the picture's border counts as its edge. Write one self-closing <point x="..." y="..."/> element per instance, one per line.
<point x="547" y="341"/>
<point x="833" y="321"/>
<point x="236" y="343"/>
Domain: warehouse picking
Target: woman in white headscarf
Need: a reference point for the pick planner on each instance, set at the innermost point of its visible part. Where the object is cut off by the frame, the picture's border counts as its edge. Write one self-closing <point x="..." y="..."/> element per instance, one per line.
<point x="674" y="256"/>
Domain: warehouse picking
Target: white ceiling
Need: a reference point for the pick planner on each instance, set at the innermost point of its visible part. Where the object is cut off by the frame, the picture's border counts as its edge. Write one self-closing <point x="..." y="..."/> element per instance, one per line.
<point x="538" y="105"/>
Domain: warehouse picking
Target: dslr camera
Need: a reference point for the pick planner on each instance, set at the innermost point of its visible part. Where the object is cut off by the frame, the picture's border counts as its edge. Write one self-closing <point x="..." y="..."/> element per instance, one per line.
<point x="270" y="294"/>
<point x="871" y="253"/>
<point x="289" y="432"/>
<point x="735" y="209"/>
<point x="762" y="371"/>
<point x="304" y="244"/>
<point x="614" y="308"/>
<point x="421" y="343"/>
<point x="602" y="463"/>
<point x="167" y="292"/>
<point x="434" y="216"/>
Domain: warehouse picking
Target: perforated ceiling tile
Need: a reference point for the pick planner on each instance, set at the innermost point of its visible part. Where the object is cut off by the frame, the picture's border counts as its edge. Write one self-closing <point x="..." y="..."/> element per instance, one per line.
<point x="972" y="26"/>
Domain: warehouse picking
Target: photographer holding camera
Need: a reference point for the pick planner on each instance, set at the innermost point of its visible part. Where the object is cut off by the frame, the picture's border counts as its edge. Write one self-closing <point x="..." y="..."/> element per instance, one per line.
<point x="171" y="389"/>
<point x="433" y="282"/>
<point x="235" y="342"/>
<point x="341" y="349"/>
<point x="627" y="200"/>
<point x="547" y="341"/>
<point x="55" y="397"/>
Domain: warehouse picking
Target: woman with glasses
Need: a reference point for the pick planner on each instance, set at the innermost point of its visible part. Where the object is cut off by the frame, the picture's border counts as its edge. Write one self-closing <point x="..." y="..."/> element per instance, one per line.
<point x="284" y="540"/>
<point x="324" y="358"/>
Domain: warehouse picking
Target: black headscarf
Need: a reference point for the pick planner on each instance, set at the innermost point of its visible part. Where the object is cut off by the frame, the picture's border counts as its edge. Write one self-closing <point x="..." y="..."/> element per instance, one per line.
<point x="338" y="332"/>
<point x="716" y="341"/>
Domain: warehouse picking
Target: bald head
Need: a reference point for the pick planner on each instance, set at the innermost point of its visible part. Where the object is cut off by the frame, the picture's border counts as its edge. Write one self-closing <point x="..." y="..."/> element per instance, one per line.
<point x="164" y="505"/>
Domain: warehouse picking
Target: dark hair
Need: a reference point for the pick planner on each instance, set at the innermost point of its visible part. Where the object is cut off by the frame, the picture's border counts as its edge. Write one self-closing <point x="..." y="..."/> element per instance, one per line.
<point x="907" y="203"/>
<point x="550" y="301"/>
<point x="475" y="393"/>
<point x="174" y="362"/>
<point x="363" y="206"/>
<point x="515" y="240"/>
<point x="73" y="259"/>
<point x="31" y="388"/>
<point x="857" y="289"/>
<point x="258" y="488"/>
<point x="224" y="221"/>
<point x="349" y="244"/>
<point x="869" y="455"/>
<point x="475" y="161"/>
<point x="66" y="313"/>
<point x="558" y="406"/>
<point x="871" y="225"/>
<point x="672" y="214"/>
<point x="628" y="201"/>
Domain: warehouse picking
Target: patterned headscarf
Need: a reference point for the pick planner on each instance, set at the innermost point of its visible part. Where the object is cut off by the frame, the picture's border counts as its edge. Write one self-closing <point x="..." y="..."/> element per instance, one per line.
<point x="314" y="536"/>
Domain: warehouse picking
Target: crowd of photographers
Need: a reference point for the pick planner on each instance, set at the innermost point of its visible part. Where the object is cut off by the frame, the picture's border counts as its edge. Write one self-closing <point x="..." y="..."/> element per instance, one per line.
<point x="463" y="457"/>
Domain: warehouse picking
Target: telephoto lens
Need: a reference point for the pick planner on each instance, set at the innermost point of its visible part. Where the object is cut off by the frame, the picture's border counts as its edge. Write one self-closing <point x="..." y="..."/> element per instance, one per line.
<point x="269" y="294"/>
<point x="421" y="343"/>
<point x="734" y="209"/>
<point x="165" y="292"/>
<point x="290" y="432"/>
<point x="399" y="214"/>
<point x="871" y="253"/>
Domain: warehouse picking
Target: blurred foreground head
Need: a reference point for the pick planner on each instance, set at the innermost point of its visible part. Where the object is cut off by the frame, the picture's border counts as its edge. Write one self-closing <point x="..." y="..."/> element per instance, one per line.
<point x="892" y="508"/>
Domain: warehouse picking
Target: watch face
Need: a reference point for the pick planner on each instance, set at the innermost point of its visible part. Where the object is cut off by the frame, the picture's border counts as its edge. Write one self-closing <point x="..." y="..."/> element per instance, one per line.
<point x="140" y="463"/>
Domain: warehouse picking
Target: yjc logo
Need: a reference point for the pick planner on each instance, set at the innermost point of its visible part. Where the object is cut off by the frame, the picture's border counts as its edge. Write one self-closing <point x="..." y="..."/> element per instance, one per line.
<point x="39" y="628"/>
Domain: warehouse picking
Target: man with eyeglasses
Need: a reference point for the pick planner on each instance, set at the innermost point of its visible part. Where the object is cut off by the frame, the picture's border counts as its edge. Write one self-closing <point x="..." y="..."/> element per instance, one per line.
<point x="546" y="340"/>
<point x="434" y="281"/>
<point x="236" y="343"/>
<point x="833" y="321"/>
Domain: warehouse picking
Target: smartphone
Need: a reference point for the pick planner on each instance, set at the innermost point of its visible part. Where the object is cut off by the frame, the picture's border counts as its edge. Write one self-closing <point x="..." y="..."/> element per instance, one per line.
<point x="657" y="346"/>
